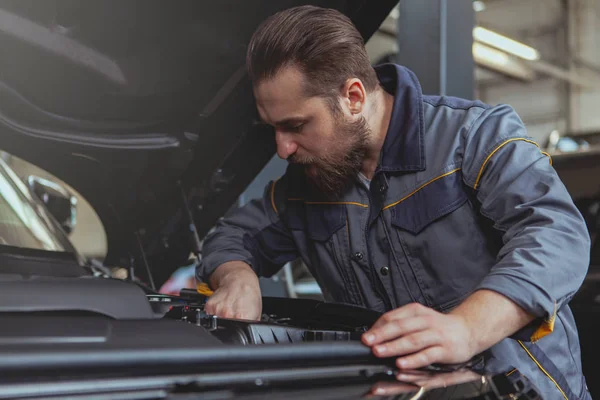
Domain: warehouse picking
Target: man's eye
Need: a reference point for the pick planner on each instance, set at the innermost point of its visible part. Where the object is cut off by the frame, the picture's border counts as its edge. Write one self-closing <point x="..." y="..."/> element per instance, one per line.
<point x="296" y="128"/>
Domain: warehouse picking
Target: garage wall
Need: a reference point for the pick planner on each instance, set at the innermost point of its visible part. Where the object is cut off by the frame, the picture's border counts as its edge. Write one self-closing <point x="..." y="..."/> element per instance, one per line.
<point x="586" y="41"/>
<point x="538" y="103"/>
<point x="541" y="103"/>
<point x="567" y="34"/>
<point x="520" y="15"/>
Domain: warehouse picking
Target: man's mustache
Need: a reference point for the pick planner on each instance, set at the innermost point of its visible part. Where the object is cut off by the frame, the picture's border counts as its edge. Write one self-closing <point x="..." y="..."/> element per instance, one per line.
<point x="295" y="159"/>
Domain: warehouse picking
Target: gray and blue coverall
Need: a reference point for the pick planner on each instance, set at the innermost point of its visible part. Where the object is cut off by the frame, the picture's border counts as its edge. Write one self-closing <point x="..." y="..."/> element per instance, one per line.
<point x="461" y="200"/>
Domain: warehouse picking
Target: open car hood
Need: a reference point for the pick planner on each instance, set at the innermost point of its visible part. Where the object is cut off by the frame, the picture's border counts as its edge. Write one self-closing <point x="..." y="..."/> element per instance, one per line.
<point x="134" y="103"/>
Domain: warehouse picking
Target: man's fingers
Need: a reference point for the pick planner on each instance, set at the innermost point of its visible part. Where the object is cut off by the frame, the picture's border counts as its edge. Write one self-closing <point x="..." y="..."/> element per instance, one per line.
<point x="247" y="315"/>
<point x="421" y="359"/>
<point x="394" y="329"/>
<point x="219" y="309"/>
<point x="209" y="307"/>
<point x="230" y="311"/>
<point x="214" y="308"/>
<point x="409" y="310"/>
<point x="227" y="313"/>
<point x="408" y="344"/>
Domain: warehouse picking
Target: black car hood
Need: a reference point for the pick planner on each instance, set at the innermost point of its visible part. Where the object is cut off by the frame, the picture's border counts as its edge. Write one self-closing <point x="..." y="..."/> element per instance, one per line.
<point x="133" y="103"/>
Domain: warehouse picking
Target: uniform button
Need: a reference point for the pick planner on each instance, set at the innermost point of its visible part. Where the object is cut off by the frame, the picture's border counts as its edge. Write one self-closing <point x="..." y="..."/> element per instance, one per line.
<point x="382" y="189"/>
<point x="384" y="271"/>
<point x="359" y="256"/>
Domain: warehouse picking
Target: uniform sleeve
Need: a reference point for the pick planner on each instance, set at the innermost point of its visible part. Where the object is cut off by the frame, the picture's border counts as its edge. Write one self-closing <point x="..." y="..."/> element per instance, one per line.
<point x="253" y="234"/>
<point x="545" y="243"/>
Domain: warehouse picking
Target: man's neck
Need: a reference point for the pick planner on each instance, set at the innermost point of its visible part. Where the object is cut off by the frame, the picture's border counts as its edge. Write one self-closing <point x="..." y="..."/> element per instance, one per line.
<point x="379" y="121"/>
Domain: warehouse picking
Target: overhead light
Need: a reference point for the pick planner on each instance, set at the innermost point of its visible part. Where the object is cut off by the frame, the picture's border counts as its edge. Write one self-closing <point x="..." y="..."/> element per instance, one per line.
<point x="506" y="44"/>
<point x="478" y="6"/>
<point x="488" y="55"/>
<point x="498" y="61"/>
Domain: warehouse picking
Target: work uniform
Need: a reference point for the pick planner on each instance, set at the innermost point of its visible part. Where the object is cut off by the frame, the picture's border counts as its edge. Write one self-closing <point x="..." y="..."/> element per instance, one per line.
<point x="462" y="199"/>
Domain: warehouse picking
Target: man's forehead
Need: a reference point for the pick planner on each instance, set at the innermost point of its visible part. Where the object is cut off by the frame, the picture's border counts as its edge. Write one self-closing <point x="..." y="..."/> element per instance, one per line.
<point x="282" y="96"/>
<point x="287" y="84"/>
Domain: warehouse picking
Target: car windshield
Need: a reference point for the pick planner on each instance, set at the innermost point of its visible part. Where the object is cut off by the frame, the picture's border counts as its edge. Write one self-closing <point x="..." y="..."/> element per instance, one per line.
<point x="23" y="223"/>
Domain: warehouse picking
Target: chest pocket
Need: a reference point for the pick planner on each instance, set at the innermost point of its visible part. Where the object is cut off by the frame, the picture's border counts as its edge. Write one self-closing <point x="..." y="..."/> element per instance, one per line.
<point x="428" y="203"/>
<point x="318" y="221"/>
<point x="440" y="238"/>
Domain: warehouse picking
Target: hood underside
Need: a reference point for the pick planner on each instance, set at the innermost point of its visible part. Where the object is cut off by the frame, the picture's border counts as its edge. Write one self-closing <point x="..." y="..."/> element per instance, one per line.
<point x="133" y="103"/>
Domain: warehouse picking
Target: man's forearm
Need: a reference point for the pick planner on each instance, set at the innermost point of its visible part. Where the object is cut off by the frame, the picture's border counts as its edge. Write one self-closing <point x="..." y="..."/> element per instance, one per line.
<point x="491" y="317"/>
<point x="237" y="270"/>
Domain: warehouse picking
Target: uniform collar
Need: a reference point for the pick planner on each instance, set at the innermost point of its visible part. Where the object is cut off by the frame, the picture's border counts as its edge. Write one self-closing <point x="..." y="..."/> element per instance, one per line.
<point x="403" y="148"/>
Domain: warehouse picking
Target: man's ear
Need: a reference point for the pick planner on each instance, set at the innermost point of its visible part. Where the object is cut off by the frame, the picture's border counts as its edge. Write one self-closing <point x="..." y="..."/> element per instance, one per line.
<point x="354" y="95"/>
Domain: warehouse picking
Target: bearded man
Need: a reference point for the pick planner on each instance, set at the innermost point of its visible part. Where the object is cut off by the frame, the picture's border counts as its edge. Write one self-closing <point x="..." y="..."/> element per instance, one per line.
<point x="437" y="211"/>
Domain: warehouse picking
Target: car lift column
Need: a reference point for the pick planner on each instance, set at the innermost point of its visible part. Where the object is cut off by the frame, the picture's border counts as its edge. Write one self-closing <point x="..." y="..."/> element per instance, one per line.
<point x="435" y="39"/>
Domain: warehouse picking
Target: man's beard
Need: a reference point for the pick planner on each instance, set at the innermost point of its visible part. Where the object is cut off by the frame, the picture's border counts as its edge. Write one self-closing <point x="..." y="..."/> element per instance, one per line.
<point x="332" y="173"/>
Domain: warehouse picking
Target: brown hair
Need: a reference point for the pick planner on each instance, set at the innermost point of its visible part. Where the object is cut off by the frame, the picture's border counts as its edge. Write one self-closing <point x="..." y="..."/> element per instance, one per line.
<point x="323" y="43"/>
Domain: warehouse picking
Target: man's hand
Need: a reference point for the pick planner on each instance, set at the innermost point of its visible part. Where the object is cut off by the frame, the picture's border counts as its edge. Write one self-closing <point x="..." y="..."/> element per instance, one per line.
<point x="237" y="294"/>
<point x="420" y="336"/>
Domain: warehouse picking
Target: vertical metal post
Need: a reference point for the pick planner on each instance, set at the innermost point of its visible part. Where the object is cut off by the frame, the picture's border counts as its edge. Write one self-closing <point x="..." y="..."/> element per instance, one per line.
<point x="573" y="28"/>
<point x="435" y="40"/>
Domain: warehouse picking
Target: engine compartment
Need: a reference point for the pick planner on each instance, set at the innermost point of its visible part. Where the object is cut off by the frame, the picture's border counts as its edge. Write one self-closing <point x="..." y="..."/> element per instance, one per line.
<point x="75" y="336"/>
<point x="38" y="298"/>
<point x="67" y="311"/>
<point x="283" y="320"/>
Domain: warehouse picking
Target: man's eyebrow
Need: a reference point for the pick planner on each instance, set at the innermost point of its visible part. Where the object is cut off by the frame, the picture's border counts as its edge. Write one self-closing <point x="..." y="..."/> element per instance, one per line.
<point x="290" y="121"/>
<point x="287" y="122"/>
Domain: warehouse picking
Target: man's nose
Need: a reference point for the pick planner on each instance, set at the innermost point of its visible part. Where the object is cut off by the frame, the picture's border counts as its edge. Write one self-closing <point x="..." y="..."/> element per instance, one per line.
<point x="285" y="145"/>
